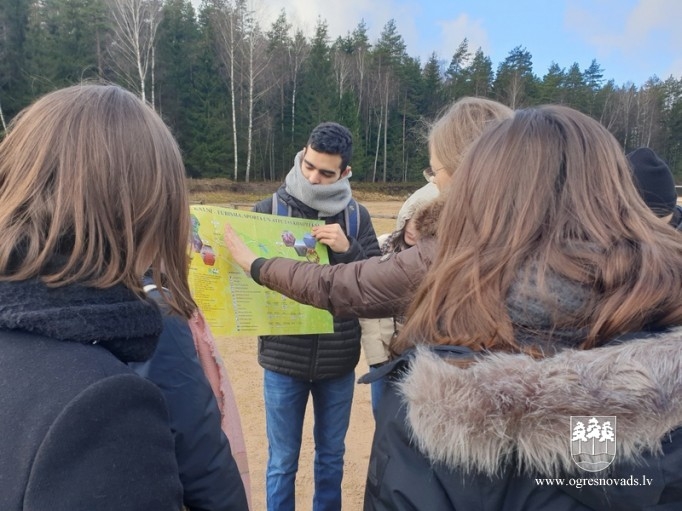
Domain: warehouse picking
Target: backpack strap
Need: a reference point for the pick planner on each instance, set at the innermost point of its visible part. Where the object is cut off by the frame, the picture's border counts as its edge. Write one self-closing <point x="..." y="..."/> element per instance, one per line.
<point x="351" y="215"/>
<point x="279" y="207"/>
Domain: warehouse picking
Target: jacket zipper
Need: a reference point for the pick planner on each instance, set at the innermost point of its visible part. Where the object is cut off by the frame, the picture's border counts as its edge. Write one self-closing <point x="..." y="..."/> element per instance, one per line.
<point x="313" y="358"/>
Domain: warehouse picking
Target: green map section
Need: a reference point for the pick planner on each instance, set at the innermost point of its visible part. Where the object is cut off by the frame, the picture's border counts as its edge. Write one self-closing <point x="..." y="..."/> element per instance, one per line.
<point x="231" y="301"/>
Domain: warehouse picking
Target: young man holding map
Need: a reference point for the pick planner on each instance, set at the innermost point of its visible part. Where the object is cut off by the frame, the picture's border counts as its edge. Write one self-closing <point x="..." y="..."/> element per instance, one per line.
<point x="321" y="365"/>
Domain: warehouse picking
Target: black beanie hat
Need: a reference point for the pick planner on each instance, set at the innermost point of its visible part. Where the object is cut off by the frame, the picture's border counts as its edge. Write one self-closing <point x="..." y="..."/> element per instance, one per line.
<point x="653" y="180"/>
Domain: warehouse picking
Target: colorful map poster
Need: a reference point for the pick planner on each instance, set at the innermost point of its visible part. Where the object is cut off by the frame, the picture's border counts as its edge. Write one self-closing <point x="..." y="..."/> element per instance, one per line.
<point x="231" y="301"/>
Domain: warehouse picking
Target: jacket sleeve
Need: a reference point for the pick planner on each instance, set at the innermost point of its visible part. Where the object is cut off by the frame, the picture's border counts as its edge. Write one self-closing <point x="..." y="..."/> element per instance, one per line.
<point x="374" y="288"/>
<point x="110" y="449"/>
<point x="376" y="337"/>
<point x="209" y="474"/>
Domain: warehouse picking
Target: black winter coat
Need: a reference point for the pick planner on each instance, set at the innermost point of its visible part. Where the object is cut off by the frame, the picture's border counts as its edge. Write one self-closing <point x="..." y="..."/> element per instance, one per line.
<point x="497" y="435"/>
<point x="80" y="430"/>
<point x="319" y="356"/>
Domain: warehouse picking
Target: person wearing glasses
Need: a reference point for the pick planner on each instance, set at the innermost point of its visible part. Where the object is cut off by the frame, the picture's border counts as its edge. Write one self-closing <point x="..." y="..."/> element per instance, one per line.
<point x="378" y="332"/>
<point x="381" y="286"/>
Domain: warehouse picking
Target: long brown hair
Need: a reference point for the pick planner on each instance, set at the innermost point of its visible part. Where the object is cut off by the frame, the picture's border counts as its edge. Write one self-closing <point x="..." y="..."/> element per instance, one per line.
<point x="92" y="188"/>
<point x="549" y="186"/>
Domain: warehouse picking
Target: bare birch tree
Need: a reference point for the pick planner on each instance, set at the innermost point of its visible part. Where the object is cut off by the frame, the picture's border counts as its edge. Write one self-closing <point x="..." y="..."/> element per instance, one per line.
<point x="257" y="63"/>
<point x="389" y="55"/>
<point x="376" y="152"/>
<point x="229" y="26"/>
<point x="387" y="95"/>
<point x="135" y="23"/>
<point x="343" y="65"/>
<point x="650" y="100"/>
<point x="609" y="113"/>
<point x="300" y="50"/>
<point x="626" y="105"/>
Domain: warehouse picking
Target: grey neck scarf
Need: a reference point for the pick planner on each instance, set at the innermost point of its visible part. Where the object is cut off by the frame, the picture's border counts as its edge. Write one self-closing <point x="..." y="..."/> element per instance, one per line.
<point x="546" y="317"/>
<point x="327" y="200"/>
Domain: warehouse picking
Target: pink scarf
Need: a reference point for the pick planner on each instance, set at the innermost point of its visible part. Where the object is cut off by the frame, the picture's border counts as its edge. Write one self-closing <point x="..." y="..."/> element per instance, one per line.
<point x="215" y="371"/>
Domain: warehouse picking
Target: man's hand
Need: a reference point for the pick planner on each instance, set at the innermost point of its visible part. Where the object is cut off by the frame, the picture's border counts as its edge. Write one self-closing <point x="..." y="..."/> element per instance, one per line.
<point x="333" y="236"/>
<point x="242" y="254"/>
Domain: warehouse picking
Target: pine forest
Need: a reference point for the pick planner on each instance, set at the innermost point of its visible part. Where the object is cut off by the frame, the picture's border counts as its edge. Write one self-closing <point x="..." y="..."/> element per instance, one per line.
<point x="241" y="97"/>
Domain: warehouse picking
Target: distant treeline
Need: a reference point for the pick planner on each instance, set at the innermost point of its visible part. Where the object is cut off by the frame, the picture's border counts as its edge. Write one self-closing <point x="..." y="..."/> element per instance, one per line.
<point x="241" y="98"/>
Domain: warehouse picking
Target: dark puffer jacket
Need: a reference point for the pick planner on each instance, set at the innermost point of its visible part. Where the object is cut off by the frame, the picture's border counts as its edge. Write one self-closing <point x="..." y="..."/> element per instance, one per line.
<point x="319" y="356"/>
<point x="497" y="435"/>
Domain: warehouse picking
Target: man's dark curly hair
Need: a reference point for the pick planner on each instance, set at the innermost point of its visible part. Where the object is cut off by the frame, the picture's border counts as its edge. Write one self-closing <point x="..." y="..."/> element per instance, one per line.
<point x="332" y="138"/>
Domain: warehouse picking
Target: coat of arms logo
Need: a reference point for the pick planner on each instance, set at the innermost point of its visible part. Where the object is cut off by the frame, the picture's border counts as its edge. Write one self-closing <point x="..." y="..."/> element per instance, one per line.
<point x="593" y="441"/>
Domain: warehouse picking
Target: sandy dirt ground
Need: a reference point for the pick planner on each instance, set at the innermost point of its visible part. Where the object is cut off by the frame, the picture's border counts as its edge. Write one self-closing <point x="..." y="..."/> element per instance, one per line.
<point x="246" y="376"/>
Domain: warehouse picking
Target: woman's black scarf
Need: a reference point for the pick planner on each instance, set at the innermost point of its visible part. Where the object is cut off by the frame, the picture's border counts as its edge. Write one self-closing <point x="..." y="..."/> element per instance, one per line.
<point x="114" y="318"/>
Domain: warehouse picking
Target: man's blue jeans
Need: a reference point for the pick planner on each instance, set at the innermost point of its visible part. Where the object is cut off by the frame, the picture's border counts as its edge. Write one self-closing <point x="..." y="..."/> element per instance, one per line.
<point x="285" y="403"/>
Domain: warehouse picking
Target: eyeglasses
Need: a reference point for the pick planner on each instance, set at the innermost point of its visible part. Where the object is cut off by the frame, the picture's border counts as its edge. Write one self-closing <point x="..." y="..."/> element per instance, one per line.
<point x="430" y="173"/>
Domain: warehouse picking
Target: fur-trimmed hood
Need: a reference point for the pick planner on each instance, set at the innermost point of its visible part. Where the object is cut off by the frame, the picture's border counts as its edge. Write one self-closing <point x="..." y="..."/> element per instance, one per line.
<point x="511" y="408"/>
<point x="415" y="203"/>
<point x="426" y="219"/>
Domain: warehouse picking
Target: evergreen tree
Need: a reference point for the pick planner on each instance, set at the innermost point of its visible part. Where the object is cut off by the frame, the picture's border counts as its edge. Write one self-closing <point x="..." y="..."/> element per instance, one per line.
<point x="671" y="149"/>
<point x="515" y="82"/>
<point x="65" y="43"/>
<point x="551" y="88"/>
<point x="236" y="98"/>
<point x="280" y="49"/>
<point x="14" y="91"/>
<point x="456" y="72"/>
<point x="388" y="57"/>
<point x="177" y="59"/>
<point x="593" y="77"/>
<point x="432" y="94"/>
<point x="210" y="152"/>
<point x="317" y="100"/>
<point x="576" y="93"/>
<point x="479" y="76"/>
<point x="411" y="156"/>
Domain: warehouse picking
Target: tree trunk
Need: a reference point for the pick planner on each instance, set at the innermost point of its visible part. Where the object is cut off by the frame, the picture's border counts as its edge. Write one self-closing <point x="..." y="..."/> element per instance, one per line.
<point x="386" y="130"/>
<point x="135" y="26"/>
<point x="231" y="54"/>
<point x="404" y="153"/>
<point x="250" y="128"/>
<point x="376" y="153"/>
<point x="153" y="76"/>
<point x="2" y="119"/>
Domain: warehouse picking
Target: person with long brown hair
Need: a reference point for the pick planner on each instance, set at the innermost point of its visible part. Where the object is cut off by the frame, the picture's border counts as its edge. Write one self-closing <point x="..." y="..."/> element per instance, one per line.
<point x="550" y="316"/>
<point x="92" y="188"/>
